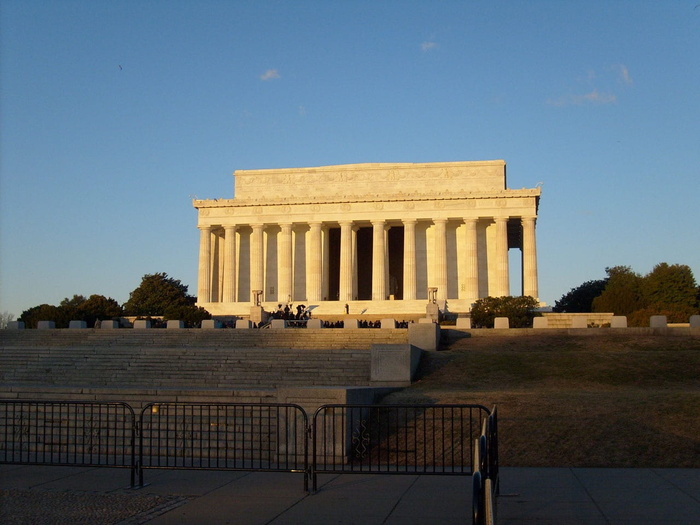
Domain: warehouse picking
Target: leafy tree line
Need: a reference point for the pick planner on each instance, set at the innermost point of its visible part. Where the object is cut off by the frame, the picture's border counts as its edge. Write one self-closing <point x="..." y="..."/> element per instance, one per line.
<point x="669" y="289"/>
<point x="157" y="296"/>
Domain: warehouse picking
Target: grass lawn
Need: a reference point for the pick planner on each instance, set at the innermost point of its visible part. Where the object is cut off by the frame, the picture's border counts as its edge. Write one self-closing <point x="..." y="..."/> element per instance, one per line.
<point x="576" y="401"/>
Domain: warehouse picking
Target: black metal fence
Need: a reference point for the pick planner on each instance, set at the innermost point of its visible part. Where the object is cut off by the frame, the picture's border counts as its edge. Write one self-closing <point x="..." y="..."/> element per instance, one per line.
<point x="262" y="437"/>
<point x="71" y="433"/>
<point x="395" y="439"/>
<point x="370" y="439"/>
<point x="485" y="478"/>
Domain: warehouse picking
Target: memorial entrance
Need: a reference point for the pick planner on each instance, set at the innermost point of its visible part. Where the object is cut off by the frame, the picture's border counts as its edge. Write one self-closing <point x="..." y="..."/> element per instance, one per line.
<point x="366" y="238"/>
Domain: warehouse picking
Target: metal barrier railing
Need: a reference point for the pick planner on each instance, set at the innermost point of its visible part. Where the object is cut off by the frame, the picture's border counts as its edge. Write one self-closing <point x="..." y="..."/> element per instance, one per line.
<point x="68" y="433"/>
<point x="395" y="439"/>
<point x="371" y="439"/>
<point x="485" y="478"/>
<point x="262" y="437"/>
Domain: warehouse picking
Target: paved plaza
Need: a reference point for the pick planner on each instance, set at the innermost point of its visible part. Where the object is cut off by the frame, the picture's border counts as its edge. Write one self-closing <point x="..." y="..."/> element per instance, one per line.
<point x="54" y="495"/>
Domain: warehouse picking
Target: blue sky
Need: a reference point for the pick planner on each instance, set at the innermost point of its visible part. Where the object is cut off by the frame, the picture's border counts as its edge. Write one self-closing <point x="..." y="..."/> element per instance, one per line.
<point x="114" y="114"/>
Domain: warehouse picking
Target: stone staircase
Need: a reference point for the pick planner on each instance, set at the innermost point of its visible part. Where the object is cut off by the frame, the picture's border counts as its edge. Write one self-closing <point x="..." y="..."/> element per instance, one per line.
<point x="195" y="359"/>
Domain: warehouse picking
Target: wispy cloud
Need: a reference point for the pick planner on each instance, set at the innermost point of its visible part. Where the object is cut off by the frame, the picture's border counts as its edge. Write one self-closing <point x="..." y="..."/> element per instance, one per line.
<point x="270" y="74"/>
<point x="596" y="89"/>
<point x="429" y="46"/>
<point x="592" y="97"/>
<point x="623" y="74"/>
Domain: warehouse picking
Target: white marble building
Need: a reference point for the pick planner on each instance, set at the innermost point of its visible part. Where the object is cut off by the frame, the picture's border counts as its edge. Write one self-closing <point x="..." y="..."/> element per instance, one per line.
<point x="374" y="237"/>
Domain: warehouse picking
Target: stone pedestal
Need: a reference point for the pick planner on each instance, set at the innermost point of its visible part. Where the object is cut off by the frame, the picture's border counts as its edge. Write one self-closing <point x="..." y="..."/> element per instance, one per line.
<point x="464" y="323"/>
<point x="501" y="323"/>
<point x="174" y="324"/>
<point x="540" y="322"/>
<point x="658" y="321"/>
<point x="211" y="324"/>
<point x="694" y="321"/>
<point x="394" y="364"/>
<point x="109" y="324"/>
<point x="314" y="324"/>
<point x="243" y="324"/>
<point x="77" y="325"/>
<point x="142" y="324"/>
<point x="46" y="325"/>
<point x="350" y="323"/>
<point x="618" y="321"/>
<point x="15" y="325"/>
<point x="388" y="323"/>
<point x="425" y="336"/>
<point x="432" y="311"/>
<point x="257" y="314"/>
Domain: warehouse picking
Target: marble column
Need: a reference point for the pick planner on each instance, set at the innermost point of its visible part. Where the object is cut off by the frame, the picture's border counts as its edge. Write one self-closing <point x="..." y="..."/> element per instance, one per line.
<point x="346" y="257"/>
<point x="314" y="279"/>
<point x="409" y="259"/>
<point x="204" y="274"/>
<point x="257" y="262"/>
<point x="285" y="265"/>
<point x="440" y="262"/>
<point x="378" y="260"/>
<point x="229" y="295"/>
<point x="529" y="258"/>
<point x="471" y="273"/>
<point x="326" y="264"/>
<point x="502" y="284"/>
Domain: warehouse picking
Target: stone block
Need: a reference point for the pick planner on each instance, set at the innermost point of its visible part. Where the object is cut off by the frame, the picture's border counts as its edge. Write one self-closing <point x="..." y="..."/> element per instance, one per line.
<point x="540" y="322"/>
<point x="46" y="325"/>
<point x="142" y="324"/>
<point x="175" y="324"/>
<point x="464" y="323"/>
<point x="109" y="324"/>
<point x="211" y="324"/>
<point x="15" y="325"/>
<point x="394" y="363"/>
<point x="658" y="321"/>
<point x="694" y="321"/>
<point x="427" y="320"/>
<point x="432" y="311"/>
<point x="278" y="324"/>
<point x="350" y="323"/>
<point x="501" y="323"/>
<point x="388" y="323"/>
<point x="77" y="325"/>
<point x="243" y="324"/>
<point x="579" y="321"/>
<point x="314" y="324"/>
<point x="618" y="321"/>
<point x="425" y="336"/>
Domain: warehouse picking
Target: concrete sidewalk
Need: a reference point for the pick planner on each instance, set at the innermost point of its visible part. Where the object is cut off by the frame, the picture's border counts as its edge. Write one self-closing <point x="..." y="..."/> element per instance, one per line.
<point x="52" y="495"/>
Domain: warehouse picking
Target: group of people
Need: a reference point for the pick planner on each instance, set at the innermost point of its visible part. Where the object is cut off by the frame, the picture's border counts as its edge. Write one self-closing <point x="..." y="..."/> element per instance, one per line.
<point x="288" y="314"/>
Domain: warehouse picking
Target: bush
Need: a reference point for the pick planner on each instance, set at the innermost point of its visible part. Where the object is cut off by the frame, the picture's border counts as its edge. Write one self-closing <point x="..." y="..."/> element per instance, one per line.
<point x="519" y="310"/>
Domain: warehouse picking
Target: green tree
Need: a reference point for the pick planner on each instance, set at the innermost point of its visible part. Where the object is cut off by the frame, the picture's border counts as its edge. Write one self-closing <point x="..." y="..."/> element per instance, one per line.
<point x="622" y="294"/>
<point x="519" y="311"/>
<point x="156" y="293"/>
<point x="98" y="307"/>
<point x="43" y="312"/>
<point x="671" y="287"/>
<point x="580" y="299"/>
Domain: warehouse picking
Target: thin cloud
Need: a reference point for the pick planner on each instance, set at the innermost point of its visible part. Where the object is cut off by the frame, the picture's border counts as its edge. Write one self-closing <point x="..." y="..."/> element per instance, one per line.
<point x="623" y="74"/>
<point x="429" y="46"/>
<point x="270" y="74"/>
<point x="593" y="97"/>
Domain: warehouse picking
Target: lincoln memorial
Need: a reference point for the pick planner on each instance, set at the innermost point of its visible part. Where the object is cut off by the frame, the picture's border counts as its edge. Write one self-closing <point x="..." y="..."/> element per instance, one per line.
<point x="370" y="239"/>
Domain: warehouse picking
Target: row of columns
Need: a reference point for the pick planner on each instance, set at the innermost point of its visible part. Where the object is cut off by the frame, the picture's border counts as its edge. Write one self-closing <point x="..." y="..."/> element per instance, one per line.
<point x="380" y="273"/>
